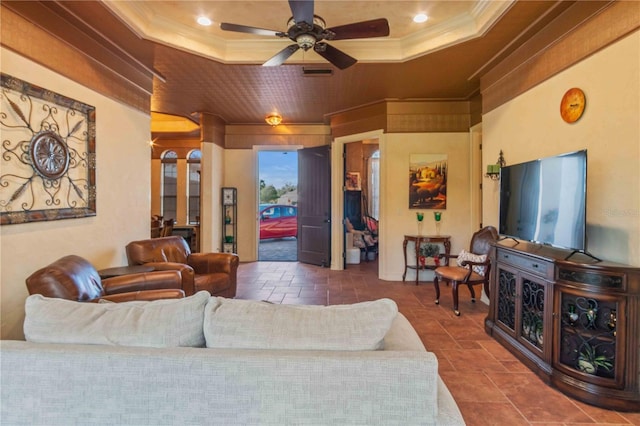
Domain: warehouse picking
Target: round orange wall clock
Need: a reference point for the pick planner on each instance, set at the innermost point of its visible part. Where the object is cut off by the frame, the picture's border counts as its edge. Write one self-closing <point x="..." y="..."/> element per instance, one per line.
<point x="572" y="105"/>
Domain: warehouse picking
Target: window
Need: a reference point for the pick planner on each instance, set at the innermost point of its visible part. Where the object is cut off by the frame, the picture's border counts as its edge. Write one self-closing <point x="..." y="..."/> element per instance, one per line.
<point x="193" y="189"/>
<point x="271" y="213"/>
<point x="169" y="184"/>
<point x="374" y="185"/>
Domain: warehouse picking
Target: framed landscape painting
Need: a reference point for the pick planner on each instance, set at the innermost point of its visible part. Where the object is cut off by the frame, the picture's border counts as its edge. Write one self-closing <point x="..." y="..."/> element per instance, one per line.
<point x="428" y="181"/>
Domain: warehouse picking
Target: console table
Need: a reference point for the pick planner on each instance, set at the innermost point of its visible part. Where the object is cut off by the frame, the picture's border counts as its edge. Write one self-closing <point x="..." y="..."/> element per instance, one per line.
<point x="419" y="239"/>
<point x="575" y="324"/>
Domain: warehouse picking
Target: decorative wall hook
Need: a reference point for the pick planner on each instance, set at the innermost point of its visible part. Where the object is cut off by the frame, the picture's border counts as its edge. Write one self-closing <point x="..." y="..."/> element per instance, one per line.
<point x="493" y="170"/>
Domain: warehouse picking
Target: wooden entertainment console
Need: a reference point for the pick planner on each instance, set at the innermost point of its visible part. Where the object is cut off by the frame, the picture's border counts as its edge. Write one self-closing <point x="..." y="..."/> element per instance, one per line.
<point x="576" y="325"/>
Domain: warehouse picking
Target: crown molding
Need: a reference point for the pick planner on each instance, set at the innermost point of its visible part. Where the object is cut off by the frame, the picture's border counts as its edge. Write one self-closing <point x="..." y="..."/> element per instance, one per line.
<point x="141" y="19"/>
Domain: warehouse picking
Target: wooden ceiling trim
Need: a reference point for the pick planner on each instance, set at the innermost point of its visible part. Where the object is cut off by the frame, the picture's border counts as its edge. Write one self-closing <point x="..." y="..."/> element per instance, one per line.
<point x="554" y="31"/>
<point x="537" y="25"/>
<point x="56" y="20"/>
<point x="427" y="116"/>
<point x="283" y="129"/>
<point x="181" y="146"/>
<point x="359" y="120"/>
<point x="427" y="107"/>
<point x="548" y="53"/>
<point x="249" y="141"/>
<point x="413" y="116"/>
<point x="212" y="129"/>
<point x="248" y="136"/>
<point x="475" y="110"/>
<point x="428" y="123"/>
<point x="35" y="43"/>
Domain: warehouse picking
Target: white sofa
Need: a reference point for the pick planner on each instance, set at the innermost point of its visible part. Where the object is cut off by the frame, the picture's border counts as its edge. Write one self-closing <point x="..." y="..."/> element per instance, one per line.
<point x="96" y="384"/>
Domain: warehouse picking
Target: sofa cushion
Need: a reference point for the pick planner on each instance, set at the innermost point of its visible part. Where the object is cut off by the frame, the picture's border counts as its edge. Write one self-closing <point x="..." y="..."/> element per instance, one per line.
<point x="158" y="323"/>
<point x="250" y="324"/>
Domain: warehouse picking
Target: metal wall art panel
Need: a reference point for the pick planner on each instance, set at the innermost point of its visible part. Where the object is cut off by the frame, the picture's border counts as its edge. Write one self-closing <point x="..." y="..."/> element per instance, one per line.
<point x="48" y="160"/>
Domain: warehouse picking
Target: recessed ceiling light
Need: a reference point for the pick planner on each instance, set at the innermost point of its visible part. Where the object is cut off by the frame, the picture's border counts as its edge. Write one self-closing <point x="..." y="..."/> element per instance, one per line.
<point x="420" y="17"/>
<point x="204" y="21"/>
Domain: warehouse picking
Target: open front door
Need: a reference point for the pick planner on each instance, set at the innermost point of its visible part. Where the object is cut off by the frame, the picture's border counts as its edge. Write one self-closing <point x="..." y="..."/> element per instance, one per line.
<point x="314" y="205"/>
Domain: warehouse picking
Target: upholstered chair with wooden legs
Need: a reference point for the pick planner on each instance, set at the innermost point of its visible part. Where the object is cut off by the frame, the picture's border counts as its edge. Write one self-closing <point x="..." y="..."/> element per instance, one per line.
<point x="470" y="268"/>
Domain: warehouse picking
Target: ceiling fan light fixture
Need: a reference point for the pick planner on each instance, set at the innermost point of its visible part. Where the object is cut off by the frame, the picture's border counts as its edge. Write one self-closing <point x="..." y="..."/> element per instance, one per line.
<point x="305" y="41"/>
<point x="273" y="119"/>
<point x="308" y="31"/>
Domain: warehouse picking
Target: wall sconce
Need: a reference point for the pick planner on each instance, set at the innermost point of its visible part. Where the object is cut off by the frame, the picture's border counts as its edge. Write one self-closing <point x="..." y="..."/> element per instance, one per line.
<point x="493" y="170"/>
<point x="273" y="119"/>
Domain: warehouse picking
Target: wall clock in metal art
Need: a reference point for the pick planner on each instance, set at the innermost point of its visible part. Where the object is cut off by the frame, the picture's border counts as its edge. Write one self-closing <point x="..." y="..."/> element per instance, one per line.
<point x="48" y="162"/>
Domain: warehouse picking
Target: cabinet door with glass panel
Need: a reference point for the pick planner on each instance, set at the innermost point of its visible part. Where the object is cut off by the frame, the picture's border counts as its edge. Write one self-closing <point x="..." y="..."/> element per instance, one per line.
<point x="521" y="309"/>
<point x="589" y="336"/>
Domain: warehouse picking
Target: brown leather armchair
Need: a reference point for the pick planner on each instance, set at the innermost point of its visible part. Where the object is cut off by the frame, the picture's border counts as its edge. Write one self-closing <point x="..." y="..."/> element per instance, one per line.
<point x="213" y="272"/>
<point x="74" y="278"/>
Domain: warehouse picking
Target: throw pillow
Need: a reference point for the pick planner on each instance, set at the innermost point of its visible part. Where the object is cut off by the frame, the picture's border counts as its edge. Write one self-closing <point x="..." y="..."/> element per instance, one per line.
<point x="246" y="324"/>
<point x="158" y="323"/>
<point x="467" y="256"/>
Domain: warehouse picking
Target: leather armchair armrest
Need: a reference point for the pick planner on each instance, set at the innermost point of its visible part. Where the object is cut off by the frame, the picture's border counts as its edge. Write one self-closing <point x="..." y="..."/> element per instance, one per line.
<point x="144" y="281"/>
<point x="188" y="275"/>
<point x="145" y="295"/>
<point x="207" y="263"/>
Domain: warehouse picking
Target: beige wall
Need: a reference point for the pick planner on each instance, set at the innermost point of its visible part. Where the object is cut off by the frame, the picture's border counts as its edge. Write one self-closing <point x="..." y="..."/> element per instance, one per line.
<point x="241" y="172"/>
<point x="530" y="127"/>
<point x="397" y="219"/>
<point x="123" y="202"/>
<point x="212" y="176"/>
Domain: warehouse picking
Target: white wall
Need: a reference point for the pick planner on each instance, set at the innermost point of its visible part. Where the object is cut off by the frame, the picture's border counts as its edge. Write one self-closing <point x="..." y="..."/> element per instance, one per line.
<point x="123" y="197"/>
<point x="530" y="127"/>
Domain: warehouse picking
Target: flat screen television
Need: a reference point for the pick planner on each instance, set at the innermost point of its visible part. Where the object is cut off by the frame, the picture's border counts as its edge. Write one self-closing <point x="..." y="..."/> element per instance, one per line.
<point x="544" y="201"/>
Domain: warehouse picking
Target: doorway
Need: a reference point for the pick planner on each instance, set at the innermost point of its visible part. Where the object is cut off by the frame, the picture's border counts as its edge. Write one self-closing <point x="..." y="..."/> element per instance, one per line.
<point x="277" y="207"/>
<point x="361" y="201"/>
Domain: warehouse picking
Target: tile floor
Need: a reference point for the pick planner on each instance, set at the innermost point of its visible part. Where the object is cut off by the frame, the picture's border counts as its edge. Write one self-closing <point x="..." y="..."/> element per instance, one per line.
<point x="489" y="384"/>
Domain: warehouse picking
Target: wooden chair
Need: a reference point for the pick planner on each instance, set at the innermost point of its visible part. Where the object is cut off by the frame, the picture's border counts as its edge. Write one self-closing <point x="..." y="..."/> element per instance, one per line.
<point x="472" y="269"/>
<point x="167" y="228"/>
<point x="156" y="226"/>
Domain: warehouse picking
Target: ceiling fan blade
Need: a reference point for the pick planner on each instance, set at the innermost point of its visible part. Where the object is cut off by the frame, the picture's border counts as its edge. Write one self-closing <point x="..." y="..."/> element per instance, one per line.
<point x="281" y="56"/>
<point x="364" y="29"/>
<point x="249" y="30"/>
<point x="302" y="11"/>
<point x="335" y="56"/>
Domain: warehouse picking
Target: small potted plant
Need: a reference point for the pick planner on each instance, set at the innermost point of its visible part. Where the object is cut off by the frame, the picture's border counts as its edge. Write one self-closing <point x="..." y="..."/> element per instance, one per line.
<point x="589" y="362"/>
<point x="428" y="250"/>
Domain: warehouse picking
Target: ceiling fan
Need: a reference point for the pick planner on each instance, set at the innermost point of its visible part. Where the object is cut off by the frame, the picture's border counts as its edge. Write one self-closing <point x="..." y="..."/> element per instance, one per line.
<point x="308" y="31"/>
